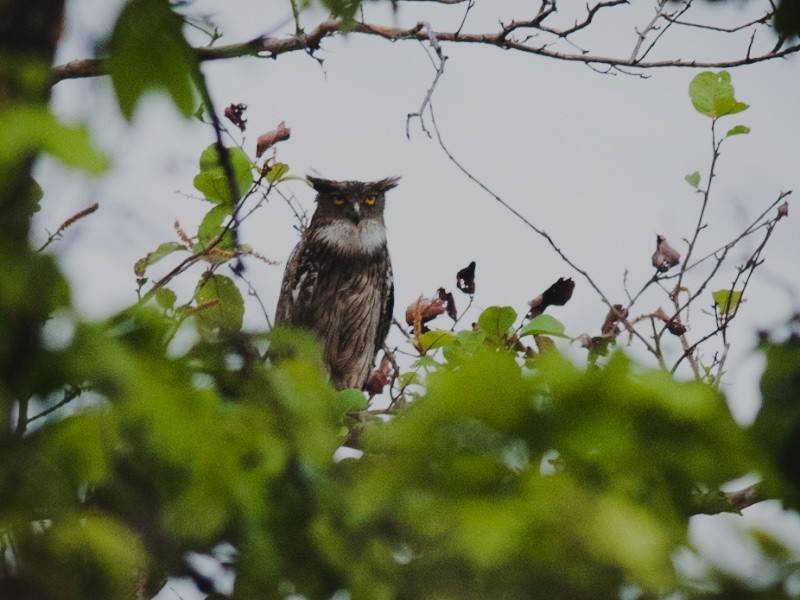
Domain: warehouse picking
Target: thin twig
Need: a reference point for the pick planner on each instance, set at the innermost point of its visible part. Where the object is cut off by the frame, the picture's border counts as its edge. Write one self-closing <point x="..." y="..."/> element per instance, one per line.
<point x="541" y="232"/>
<point x="434" y="43"/>
<point x="69" y="395"/>
<point x="251" y="291"/>
<point x="71" y="221"/>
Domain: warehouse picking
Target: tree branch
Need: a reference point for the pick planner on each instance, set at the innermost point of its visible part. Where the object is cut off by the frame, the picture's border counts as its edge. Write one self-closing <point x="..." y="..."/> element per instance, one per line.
<point x="268" y="47"/>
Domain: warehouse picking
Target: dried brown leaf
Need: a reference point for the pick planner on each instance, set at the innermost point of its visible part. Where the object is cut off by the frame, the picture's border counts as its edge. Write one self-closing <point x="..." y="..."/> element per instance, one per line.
<point x="269" y="139"/>
<point x="675" y="327"/>
<point x="235" y="114"/>
<point x="615" y="314"/>
<point x="661" y="315"/>
<point x="380" y="377"/>
<point x="423" y="310"/>
<point x="665" y="257"/>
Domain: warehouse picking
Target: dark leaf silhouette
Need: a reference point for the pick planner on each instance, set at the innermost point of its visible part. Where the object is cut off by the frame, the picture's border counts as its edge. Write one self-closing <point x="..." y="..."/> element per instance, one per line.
<point x="557" y="294"/>
<point x="465" y="279"/>
<point x="449" y="303"/>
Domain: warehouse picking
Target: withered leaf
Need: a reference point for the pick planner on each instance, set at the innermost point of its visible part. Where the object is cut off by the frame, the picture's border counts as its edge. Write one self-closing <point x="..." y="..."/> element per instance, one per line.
<point x="615" y="314"/>
<point x="557" y="294"/>
<point x="665" y="257"/>
<point x="423" y="310"/>
<point x="380" y="377"/>
<point x="674" y="325"/>
<point x="235" y="114"/>
<point x="269" y="139"/>
<point x="465" y="279"/>
<point x="449" y="303"/>
<point x="660" y="314"/>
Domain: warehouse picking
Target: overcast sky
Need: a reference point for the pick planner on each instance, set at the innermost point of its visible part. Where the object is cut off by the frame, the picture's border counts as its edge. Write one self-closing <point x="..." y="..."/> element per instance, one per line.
<point x="597" y="161"/>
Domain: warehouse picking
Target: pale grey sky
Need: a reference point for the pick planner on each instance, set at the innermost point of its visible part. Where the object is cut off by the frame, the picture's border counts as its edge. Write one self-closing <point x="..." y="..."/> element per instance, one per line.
<point x="597" y="161"/>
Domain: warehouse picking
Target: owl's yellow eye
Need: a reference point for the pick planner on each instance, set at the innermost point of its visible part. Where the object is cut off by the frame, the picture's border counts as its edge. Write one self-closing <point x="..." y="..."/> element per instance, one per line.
<point x="369" y="200"/>
<point x="338" y="200"/>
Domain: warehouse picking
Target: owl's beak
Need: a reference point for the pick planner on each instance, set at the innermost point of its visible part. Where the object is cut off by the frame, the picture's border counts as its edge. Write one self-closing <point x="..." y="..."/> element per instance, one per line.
<point x="355" y="214"/>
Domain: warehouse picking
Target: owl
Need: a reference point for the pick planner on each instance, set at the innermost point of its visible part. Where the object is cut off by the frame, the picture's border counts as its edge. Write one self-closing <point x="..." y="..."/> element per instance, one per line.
<point x="338" y="280"/>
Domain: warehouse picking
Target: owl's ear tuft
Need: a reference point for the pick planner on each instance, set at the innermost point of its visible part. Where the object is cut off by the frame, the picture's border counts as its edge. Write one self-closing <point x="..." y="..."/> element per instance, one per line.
<point x="324" y="185"/>
<point x="384" y="185"/>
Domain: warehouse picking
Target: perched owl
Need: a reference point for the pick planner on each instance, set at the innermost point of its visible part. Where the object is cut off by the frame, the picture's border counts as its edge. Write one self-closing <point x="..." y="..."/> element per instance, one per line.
<point x="338" y="281"/>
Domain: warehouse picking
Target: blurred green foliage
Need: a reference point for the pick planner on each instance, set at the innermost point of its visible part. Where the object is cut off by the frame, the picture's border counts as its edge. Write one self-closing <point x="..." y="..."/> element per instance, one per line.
<point x="510" y="476"/>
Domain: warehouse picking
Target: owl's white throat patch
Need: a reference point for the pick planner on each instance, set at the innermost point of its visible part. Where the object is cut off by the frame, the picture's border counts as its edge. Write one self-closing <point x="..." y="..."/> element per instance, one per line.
<point x="347" y="238"/>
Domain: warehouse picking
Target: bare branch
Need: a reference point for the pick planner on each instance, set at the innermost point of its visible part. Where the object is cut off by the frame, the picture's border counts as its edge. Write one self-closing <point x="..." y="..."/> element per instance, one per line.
<point x="760" y="21"/>
<point x="437" y="49"/>
<point x="269" y="47"/>
<point x="591" y="12"/>
<point x="741" y="499"/>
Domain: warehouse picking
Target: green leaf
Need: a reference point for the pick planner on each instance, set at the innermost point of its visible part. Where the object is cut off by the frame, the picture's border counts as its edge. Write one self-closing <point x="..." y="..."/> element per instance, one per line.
<point x="693" y="179"/>
<point x="344" y="10"/>
<point x="227" y="312"/>
<point x="277" y="172"/>
<point x="211" y="227"/>
<point x="148" y="52"/>
<point x="351" y="399"/>
<point x="738" y="130"/>
<point x="497" y="320"/>
<point x="31" y="129"/>
<point x="776" y="429"/>
<point x="36" y="193"/>
<point x="425" y="361"/>
<point x="436" y="338"/>
<point x="727" y="301"/>
<point x="409" y="378"/>
<point x="544" y="325"/>
<point x="212" y="181"/>
<point x="156" y="255"/>
<point x="712" y="95"/>
<point x="165" y="298"/>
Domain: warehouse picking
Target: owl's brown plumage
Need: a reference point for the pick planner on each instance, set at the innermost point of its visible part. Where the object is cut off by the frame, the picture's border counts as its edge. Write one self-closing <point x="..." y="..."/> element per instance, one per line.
<point x="338" y="280"/>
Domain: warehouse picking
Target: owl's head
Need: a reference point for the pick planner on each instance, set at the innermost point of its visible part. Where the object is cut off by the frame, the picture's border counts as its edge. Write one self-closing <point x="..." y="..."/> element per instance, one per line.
<point x="349" y="214"/>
